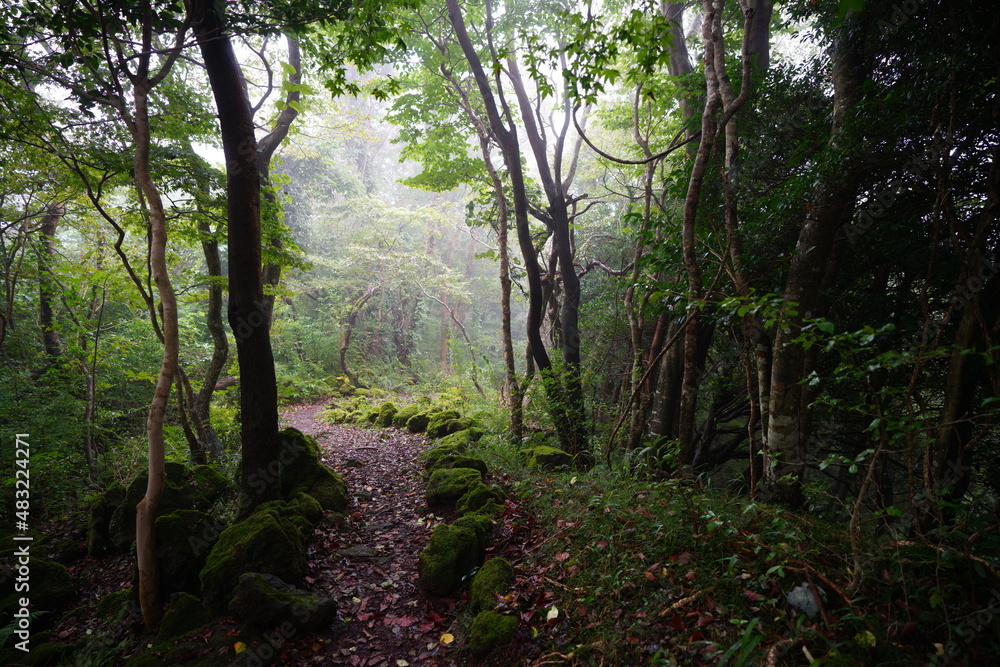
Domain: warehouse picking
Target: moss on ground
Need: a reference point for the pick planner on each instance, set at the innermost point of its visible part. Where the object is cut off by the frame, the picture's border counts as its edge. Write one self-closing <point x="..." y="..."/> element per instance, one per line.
<point x="491" y="630"/>
<point x="451" y="484"/>
<point x="495" y="577"/>
<point x="453" y="552"/>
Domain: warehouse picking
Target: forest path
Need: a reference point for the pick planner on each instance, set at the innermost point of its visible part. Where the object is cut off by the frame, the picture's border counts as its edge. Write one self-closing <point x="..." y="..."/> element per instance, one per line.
<point x="369" y="563"/>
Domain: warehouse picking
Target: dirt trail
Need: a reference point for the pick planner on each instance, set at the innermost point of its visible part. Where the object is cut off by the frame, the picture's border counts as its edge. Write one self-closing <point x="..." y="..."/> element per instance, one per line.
<point x="369" y="563"/>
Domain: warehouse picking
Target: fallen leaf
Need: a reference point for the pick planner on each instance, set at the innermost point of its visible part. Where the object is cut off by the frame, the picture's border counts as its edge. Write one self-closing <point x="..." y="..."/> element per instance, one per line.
<point x="553" y="613"/>
<point x="561" y="556"/>
<point x="447" y="638"/>
<point x="240" y="647"/>
<point x="402" y="663"/>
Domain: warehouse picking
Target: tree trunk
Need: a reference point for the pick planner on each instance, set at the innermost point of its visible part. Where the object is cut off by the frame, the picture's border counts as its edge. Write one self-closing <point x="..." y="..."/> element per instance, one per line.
<point x="247" y="307"/>
<point x="148" y="507"/>
<point x="265" y="152"/>
<point x="832" y="206"/>
<point x="47" y="287"/>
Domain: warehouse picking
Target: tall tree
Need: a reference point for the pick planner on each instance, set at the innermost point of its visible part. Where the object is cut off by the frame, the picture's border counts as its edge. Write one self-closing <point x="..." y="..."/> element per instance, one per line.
<point x="248" y="312"/>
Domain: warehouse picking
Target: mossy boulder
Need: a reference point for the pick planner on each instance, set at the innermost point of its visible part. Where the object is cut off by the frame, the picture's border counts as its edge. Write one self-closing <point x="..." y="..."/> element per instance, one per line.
<point x="386" y="412"/>
<point x="52" y="588"/>
<point x="434" y="455"/>
<point x="477" y="497"/>
<point x="48" y="654"/>
<point x="462" y="438"/>
<point x="264" y="601"/>
<point x="418" y="422"/>
<point x="403" y="415"/>
<point x="460" y="461"/>
<point x="198" y="488"/>
<point x="184" y="614"/>
<point x="490" y="631"/>
<point x="494" y="578"/>
<point x="478" y="524"/>
<point x="450" y="484"/>
<point x="264" y="542"/>
<point x="435" y="425"/>
<point x="302" y="470"/>
<point x="183" y="541"/>
<point x="453" y="552"/>
<point x="547" y="457"/>
<point x="102" y="509"/>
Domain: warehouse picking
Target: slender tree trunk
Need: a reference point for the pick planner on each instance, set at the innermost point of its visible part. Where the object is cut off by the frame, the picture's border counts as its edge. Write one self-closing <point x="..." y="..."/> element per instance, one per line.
<point x="148" y="507"/>
<point x="349" y="322"/>
<point x="247" y="307"/>
<point x="832" y="206"/>
<point x="47" y="287"/>
<point x="265" y="152"/>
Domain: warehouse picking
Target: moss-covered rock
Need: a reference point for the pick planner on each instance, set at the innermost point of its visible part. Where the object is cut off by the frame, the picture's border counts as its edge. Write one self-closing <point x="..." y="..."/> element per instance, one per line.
<point x="544" y="456"/>
<point x="386" y="412"/>
<point x="302" y="470"/>
<point x="102" y="509"/>
<point x="196" y="488"/>
<point x="494" y="578"/>
<point x="479" y="524"/>
<point x="207" y="486"/>
<point x="49" y="654"/>
<point x="183" y="541"/>
<point x="308" y="506"/>
<point x="453" y="552"/>
<point x="435" y="425"/>
<point x="460" y="461"/>
<point x="329" y="489"/>
<point x="477" y="497"/>
<point x="418" y="422"/>
<point x="184" y="614"/>
<point x="263" y="601"/>
<point x="264" y="542"/>
<point x="52" y="588"/>
<point x="403" y="415"/>
<point x="451" y="484"/>
<point x="491" y="630"/>
<point x="434" y="455"/>
<point x="462" y="438"/>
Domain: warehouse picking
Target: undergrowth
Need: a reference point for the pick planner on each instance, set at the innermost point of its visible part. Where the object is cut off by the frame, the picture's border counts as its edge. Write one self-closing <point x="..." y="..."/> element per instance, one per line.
<point x="645" y="570"/>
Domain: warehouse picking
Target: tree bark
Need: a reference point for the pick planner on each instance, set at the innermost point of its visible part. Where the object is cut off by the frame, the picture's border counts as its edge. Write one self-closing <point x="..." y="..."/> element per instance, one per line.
<point x="831" y="207"/>
<point x="247" y="307"/>
<point x="47" y="287"/>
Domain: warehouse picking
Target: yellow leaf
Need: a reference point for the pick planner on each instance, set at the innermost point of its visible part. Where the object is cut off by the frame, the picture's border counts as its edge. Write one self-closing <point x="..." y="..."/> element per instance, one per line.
<point x="553" y="613"/>
<point x="866" y="639"/>
<point x="402" y="663"/>
<point x="447" y="638"/>
<point x="240" y="647"/>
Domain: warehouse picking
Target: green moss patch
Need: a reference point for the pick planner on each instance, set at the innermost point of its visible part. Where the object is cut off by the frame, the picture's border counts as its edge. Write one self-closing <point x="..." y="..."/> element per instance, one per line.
<point x="386" y="412"/>
<point x="491" y="630"/>
<point x="434" y="455"/>
<point x="494" y="578"/>
<point x="453" y="552"/>
<point x="302" y="471"/>
<point x="183" y="541"/>
<point x="403" y="415"/>
<point x="477" y="497"/>
<point x="184" y="614"/>
<point x="264" y="601"/>
<point x="451" y="484"/>
<point x="464" y="437"/>
<point x="547" y="457"/>
<point x="435" y="425"/>
<point x="264" y="542"/>
<point x="418" y="422"/>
